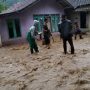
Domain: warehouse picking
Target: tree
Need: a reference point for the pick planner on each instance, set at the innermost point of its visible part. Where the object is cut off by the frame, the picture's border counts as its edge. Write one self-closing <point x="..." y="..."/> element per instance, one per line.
<point x="2" y="7"/>
<point x="10" y="2"/>
<point x="4" y="4"/>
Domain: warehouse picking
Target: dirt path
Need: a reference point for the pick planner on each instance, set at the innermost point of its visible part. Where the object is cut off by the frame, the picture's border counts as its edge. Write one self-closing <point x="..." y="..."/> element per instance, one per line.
<point x="49" y="70"/>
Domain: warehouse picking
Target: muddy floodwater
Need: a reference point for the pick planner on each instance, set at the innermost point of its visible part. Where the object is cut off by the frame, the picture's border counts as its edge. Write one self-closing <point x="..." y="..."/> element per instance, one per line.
<point x="48" y="70"/>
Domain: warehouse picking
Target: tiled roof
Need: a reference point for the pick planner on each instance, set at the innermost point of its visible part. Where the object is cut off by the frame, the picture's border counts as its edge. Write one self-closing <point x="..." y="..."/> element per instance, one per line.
<point x="77" y="3"/>
<point x="19" y="6"/>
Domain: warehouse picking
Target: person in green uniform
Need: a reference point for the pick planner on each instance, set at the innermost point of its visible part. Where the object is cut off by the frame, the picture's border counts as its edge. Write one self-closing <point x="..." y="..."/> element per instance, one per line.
<point x="31" y="36"/>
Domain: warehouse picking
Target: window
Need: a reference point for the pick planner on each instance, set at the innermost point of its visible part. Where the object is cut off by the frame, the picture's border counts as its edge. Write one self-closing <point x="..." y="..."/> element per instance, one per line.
<point x="14" y="28"/>
<point x="17" y="25"/>
<point x="53" y="20"/>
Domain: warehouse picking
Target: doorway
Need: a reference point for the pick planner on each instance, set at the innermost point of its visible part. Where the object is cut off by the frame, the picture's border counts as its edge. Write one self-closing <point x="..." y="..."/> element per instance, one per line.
<point x="83" y="19"/>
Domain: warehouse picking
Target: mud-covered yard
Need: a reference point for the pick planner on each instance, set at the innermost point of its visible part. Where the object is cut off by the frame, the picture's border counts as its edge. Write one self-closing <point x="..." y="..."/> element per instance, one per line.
<point x="48" y="70"/>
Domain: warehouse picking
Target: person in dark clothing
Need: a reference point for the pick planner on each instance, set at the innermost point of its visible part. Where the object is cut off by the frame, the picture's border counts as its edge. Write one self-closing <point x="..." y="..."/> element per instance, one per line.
<point x="59" y="30"/>
<point x="65" y="29"/>
<point x="78" y="31"/>
<point x="46" y="33"/>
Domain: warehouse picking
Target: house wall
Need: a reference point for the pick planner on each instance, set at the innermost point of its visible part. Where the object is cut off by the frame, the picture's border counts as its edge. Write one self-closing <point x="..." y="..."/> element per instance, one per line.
<point x="26" y="16"/>
<point x="3" y="26"/>
<point x="42" y="7"/>
<point x="88" y="20"/>
<point x="76" y="17"/>
<point x="3" y="29"/>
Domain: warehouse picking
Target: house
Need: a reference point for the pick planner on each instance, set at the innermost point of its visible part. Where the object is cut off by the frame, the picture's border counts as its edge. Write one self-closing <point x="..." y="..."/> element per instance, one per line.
<point x="81" y="13"/>
<point x="15" y="21"/>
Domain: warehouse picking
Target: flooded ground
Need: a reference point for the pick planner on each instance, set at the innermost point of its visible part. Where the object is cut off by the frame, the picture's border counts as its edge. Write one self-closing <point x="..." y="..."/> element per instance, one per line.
<point x="49" y="70"/>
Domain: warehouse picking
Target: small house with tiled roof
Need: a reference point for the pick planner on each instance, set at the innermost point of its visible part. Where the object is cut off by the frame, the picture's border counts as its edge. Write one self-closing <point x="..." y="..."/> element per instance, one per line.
<point x="16" y="20"/>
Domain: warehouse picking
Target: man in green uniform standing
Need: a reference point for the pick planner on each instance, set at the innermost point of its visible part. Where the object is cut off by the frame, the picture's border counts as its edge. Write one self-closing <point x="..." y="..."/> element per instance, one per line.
<point x="31" y="36"/>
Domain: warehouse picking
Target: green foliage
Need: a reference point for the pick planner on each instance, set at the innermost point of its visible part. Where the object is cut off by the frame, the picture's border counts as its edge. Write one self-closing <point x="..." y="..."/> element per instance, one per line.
<point x="2" y="7"/>
<point x="4" y="4"/>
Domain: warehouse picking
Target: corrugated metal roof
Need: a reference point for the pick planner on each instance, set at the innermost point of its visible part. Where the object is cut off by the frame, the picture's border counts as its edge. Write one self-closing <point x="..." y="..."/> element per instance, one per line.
<point x="65" y="3"/>
<point x="21" y="5"/>
<point x="18" y="6"/>
<point x="83" y="9"/>
<point x="77" y="3"/>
